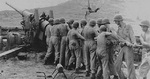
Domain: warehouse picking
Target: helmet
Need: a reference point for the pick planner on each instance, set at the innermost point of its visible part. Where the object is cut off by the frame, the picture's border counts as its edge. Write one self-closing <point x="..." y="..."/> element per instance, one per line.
<point x="145" y="23"/>
<point x="51" y="20"/>
<point x="99" y="21"/>
<point x="118" y="18"/>
<point x="103" y="28"/>
<point x="56" y="21"/>
<point x="70" y="21"/>
<point x="83" y="22"/>
<point x="75" y="24"/>
<point x="92" y="23"/>
<point x="105" y="21"/>
<point x="62" y="20"/>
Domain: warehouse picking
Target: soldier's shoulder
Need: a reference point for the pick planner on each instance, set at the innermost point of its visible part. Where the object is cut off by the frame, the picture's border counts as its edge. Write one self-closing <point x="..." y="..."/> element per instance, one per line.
<point x="129" y="26"/>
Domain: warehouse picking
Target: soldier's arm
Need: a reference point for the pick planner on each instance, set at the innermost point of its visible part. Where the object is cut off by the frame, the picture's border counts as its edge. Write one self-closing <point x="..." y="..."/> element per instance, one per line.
<point x="68" y="28"/>
<point x="145" y="44"/>
<point x="114" y="34"/>
<point x="141" y="38"/>
<point x="96" y="33"/>
<point x="80" y="36"/>
<point x="67" y="38"/>
<point x="47" y="33"/>
<point x="111" y="34"/>
<point x="131" y="34"/>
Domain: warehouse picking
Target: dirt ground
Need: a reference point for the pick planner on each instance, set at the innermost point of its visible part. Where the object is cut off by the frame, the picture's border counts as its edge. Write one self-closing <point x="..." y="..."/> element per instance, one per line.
<point x="26" y="69"/>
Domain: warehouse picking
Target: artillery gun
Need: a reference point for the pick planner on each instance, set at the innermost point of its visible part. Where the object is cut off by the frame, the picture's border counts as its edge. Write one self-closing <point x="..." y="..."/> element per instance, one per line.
<point x="33" y="27"/>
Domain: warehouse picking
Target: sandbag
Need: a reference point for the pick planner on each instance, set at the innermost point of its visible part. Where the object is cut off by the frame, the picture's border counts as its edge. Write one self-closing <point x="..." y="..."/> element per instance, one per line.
<point x="17" y="38"/>
<point x="10" y="40"/>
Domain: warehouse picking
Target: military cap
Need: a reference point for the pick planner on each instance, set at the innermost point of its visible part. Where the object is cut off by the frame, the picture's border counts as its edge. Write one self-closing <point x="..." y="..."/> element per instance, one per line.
<point x="56" y="21"/>
<point x="99" y="21"/>
<point x="62" y="20"/>
<point x="75" y="24"/>
<point x="92" y="23"/>
<point x="103" y="28"/>
<point x="83" y="22"/>
<point x="145" y="23"/>
<point x="51" y="20"/>
<point x="70" y="21"/>
<point x="118" y="18"/>
<point x="105" y="21"/>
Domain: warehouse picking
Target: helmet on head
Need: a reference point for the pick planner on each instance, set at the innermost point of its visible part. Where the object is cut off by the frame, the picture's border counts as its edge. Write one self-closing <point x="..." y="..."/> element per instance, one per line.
<point x="99" y="21"/>
<point x="92" y="23"/>
<point x="51" y="20"/>
<point x="75" y="24"/>
<point x="105" y="21"/>
<point x="71" y="21"/>
<point x="83" y="22"/>
<point x="56" y="21"/>
<point x="145" y="23"/>
<point x="118" y="18"/>
<point x="103" y="28"/>
<point x="62" y="20"/>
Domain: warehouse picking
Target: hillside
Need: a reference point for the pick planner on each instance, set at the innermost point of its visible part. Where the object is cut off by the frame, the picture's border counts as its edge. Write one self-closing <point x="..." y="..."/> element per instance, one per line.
<point x="70" y="9"/>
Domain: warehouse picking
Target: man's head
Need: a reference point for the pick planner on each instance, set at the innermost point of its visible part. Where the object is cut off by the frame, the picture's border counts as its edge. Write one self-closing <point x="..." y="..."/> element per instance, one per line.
<point x="51" y="21"/>
<point x="99" y="22"/>
<point x="92" y="23"/>
<point x="70" y="22"/>
<point x="56" y="21"/>
<point x="118" y="19"/>
<point x="62" y="20"/>
<point x="103" y="28"/>
<point x="145" y="25"/>
<point x="83" y="23"/>
<point x="105" y="21"/>
<point x="75" y="25"/>
<point x="16" y="29"/>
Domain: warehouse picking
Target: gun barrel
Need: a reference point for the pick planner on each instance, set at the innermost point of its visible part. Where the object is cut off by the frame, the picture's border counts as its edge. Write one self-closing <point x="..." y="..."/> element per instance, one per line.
<point x="19" y="11"/>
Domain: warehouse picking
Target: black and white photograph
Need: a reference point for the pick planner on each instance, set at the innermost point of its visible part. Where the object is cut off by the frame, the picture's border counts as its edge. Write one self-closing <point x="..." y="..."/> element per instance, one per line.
<point x="74" y="39"/>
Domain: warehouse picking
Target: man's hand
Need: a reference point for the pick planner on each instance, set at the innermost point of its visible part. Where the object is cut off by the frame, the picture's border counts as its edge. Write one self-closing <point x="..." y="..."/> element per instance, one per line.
<point x="128" y="44"/>
<point x="95" y="38"/>
<point x="138" y="46"/>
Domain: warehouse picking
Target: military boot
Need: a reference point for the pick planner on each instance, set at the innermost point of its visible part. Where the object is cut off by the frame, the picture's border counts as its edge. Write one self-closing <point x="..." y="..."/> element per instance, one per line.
<point x="92" y="76"/>
<point x="87" y="74"/>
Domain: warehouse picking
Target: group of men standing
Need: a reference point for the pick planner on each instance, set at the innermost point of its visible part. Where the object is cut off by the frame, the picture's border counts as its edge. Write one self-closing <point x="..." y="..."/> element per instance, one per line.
<point x="83" y="43"/>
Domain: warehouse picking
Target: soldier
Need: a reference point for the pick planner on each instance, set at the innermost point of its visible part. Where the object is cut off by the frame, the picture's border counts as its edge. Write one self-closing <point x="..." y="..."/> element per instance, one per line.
<point x="83" y="23"/>
<point x="145" y="40"/>
<point x="67" y="55"/>
<point x="111" y="44"/>
<point x="51" y="21"/>
<point x="73" y="37"/>
<point x="63" y="31"/>
<point x="90" y="48"/>
<point x="54" y="42"/>
<point x="102" y="53"/>
<point x="126" y="35"/>
<point x="99" y="23"/>
<point x="70" y="22"/>
<point x="48" y="30"/>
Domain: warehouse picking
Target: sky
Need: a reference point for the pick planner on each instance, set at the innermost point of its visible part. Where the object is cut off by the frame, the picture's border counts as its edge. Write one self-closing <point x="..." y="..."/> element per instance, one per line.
<point x="28" y="4"/>
<point x="137" y="9"/>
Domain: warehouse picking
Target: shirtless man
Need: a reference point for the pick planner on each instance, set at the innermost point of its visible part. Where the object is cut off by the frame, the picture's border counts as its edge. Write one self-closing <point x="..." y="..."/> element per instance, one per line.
<point x="145" y="40"/>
